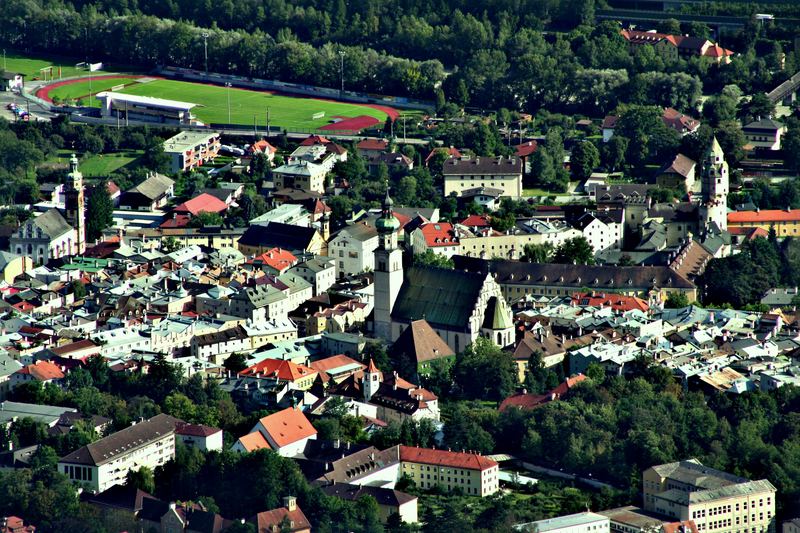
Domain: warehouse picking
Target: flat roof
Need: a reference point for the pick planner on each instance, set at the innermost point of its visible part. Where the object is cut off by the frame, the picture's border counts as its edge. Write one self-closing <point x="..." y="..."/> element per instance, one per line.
<point x="186" y="140"/>
<point x="145" y="100"/>
<point x="561" y="522"/>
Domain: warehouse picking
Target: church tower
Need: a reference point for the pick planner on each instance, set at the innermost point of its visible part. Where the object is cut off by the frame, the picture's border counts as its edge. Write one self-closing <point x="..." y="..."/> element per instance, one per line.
<point x="715" y="187"/>
<point x="388" y="270"/>
<point x="371" y="381"/>
<point x="74" y="211"/>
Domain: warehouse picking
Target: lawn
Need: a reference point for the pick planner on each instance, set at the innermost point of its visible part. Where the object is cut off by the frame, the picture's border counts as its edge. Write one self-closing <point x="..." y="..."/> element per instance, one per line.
<point x="105" y="164"/>
<point x="30" y="66"/>
<point x="81" y="89"/>
<point x="247" y="106"/>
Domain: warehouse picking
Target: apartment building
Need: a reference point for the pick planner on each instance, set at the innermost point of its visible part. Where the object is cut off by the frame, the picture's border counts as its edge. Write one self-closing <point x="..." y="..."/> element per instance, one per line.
<point x="191" y="149"/>
<point x="106" y="462"/>
<point x="716" y="501"/>
<point x="473" y="473"/>
<point x="505" y="173"/>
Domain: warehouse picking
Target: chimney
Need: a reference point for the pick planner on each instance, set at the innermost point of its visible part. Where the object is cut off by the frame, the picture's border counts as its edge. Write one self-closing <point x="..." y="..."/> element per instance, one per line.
<point x="290" y="502"/>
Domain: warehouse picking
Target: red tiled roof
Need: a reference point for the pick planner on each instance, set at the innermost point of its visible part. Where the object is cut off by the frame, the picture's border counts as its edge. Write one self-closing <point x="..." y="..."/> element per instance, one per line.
<point x="439" y="234"/>
<point x="372" y="368"/>
<point x="288" y="426"/>
<point x="196" y="430"/>
<point x="335" y="361"/>
<point x="610" y="122"/>
<point x="451" y="152"/>
<point x="269" y="521"/>
<point x="678" y="121"/>
<point x="202" y="203"/>
<point x="526" y="149"/>
<point x="716" y="50"/>
<point x="673" y="527"/>
<point x="254" y="441"/>
<point x="314" y="139"/>
<point x="263" y="146"/>
<point x="749" y="233"/>
<point x="75" y="346"/>
<point x="42" y="371"/>
<point x="373" y="144"/>
<point x="477" y="221"/>
<point x="764" y="216"/>
<point x="176" y="221"/>
<point x="15" y="524"/>
<point x="276" y="258"/>
<point x="618" y="302"/>
<point x="468" y="461"/>
<point x="283" y="370"/>
<point x="532" y="401"/>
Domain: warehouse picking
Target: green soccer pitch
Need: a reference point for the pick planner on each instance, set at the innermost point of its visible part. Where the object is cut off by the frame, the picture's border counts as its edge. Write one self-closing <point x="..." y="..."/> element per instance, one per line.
<point x="246" y="105"/>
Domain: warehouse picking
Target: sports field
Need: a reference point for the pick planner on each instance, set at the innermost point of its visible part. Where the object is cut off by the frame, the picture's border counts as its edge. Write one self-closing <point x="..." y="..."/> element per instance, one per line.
<point x="247" y="106"/>
<point x="80" y="89"/>
<point x="30" y="67"/>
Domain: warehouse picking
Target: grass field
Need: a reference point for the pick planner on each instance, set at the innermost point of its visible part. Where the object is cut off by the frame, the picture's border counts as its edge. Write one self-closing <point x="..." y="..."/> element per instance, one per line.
<point x="105" y="164"/>
<point x="245" y="106"/>
<point x="81" y="89"/>
<point x="30" y="66"/>
<point x="99" y="165"/>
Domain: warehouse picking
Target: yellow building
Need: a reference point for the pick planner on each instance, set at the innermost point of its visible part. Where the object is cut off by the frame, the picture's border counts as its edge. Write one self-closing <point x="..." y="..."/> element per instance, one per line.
<point x="12" y="265"/>
<point x="474" y="474"/>
<point x="716" y="501"/>
<point x="464" y="173"/>
<point x="785" y="221"/>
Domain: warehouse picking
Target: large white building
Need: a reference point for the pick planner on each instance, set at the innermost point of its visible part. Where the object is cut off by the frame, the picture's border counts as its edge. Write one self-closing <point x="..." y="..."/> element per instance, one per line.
<point x="465" y="173"/>
<point x="45" y="237"/>
<point x="353" y="249"/>
<point x="125" y="107"/>
<point x="574" y="523"/>
<point x="716" y="501"/>
<point x="106" y="462"/>
<point x="460" y="306"/>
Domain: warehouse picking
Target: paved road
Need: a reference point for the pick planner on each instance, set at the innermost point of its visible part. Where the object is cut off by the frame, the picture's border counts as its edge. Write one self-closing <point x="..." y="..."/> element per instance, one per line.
<point x="565" y="475"/>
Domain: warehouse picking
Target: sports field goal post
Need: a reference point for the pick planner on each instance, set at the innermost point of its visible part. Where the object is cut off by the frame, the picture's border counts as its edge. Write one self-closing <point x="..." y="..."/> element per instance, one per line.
<point x="44" y="72"/>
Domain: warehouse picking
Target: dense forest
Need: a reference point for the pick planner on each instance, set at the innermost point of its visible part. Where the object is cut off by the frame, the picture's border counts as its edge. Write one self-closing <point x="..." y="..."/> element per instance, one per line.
<point x="487" y="55"/>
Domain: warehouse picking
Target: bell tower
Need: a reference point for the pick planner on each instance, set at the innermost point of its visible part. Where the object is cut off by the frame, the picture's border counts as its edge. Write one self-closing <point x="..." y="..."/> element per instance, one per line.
<point x="74" y="210"/>
<point x="388" y="270"/>
<point x="715" y="187"/>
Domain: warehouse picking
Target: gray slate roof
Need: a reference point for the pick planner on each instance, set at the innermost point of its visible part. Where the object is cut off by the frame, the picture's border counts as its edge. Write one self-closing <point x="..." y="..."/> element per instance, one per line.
<point x="52" y="223"/>
<point x="154" y="186"/>
<point x="123" y="441"/>
<point x="443" y="297"/>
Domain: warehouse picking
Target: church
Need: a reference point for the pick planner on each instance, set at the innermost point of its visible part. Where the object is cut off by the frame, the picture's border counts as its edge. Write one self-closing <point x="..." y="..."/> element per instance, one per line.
<point x="460" y="306"/>
<point x="53" y="235"/>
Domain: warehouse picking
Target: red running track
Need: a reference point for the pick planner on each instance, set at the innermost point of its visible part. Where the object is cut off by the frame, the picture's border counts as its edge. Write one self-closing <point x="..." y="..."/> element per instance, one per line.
<point x="44" y="92"/>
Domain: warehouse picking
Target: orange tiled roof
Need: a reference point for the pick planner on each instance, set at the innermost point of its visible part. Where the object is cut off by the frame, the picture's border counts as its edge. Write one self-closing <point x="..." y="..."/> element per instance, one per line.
<point x="288" y="426"/>
<point x="764" y="216"/>
<point x="202" y="203"/>
<point x="469" y="461"/>
<point x="277" y="258"/>
<point x="254" y="441"/>
<point x="283" y="370"/>
<point x="439" y="234"/>
<point x="43" y="371"/>
<point x="334" y="361"/>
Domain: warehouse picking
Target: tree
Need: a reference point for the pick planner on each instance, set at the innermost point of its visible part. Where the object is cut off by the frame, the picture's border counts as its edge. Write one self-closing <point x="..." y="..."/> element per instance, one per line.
<point x="676" y="300"/>
<point x="236" y="362"/>
<point x="99" y="212"/>
<point x="538" y="253"/>
<point x="759" y="106"/>
<point x="142" y="479"/>
<point x="204" y="219"/>
<point x="596" y="372"/>
<point x="78" y="290"/>
<point x="431" y="258"/>
<point x="170" y="244"/>
<point x="585" y="158"/>
<point x="576" y="251"/>
<point x="497" y="371"/>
